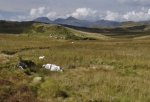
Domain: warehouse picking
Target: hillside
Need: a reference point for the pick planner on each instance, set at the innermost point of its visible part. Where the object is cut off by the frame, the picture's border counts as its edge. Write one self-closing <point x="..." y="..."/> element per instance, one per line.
<point x="131" y="23"/>
<point x="125" y="30"/>
<point x="116" y="32"/>
<point x="12" y="27"/>
<point x="41" y="29"/>
<point x="61" y="32"/>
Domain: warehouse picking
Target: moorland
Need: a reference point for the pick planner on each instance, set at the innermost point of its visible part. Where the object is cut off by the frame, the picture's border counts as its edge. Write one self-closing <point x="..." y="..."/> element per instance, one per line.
<point x="101" y="64"/>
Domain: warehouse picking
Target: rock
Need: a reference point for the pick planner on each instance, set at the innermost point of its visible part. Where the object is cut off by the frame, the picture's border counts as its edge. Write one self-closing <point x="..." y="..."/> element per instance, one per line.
<point x="37" y="79"/>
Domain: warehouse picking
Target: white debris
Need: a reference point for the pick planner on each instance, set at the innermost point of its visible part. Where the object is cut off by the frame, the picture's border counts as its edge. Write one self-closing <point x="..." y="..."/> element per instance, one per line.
<point x="52" y="67"/>
<point x="41" y="57"/>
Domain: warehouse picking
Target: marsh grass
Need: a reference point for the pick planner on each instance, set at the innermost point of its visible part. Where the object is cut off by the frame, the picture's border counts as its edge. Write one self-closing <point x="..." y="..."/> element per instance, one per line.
<point x="94" y="71"/>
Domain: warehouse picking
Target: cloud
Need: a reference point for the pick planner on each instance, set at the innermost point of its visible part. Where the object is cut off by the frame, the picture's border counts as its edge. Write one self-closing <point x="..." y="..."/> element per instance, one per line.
<point x="129" y="16"/>
<point x="42" y="12"/>
<point x="113" y="16"/>
<point x="33" y="12"/>
<point x="85" y="14"/>
<point x="37" y="12"/>
<point x="137" y="16"/>
<point x="80" y="13"/>
<point x="52" y="15"/>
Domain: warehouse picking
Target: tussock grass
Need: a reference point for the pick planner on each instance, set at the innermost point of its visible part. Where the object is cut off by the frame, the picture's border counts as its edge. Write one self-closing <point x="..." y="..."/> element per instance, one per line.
<point x="95" y="71"/>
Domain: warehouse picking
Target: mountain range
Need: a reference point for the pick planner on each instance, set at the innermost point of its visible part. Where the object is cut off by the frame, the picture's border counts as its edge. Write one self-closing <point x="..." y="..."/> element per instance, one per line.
<point x="76" y="22"/>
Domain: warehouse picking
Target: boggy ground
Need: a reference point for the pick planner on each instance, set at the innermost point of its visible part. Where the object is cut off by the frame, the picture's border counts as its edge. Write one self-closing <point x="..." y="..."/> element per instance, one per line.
<point x="95" y="71"/>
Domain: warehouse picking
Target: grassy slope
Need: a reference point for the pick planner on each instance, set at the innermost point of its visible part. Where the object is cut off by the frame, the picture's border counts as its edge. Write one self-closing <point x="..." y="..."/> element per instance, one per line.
<point x="123" y="31"/>
<point x="89" y="34"/>
<point x="82" y="33"/>
<point x="61" y="31"/>
<point x="126" y="30"/>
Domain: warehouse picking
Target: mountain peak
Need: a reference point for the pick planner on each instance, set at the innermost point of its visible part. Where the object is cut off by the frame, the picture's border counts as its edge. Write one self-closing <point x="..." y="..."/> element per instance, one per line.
<point x="77" y="22"/>
<point x="71" y="18"/>
<point x="42" y="19"/>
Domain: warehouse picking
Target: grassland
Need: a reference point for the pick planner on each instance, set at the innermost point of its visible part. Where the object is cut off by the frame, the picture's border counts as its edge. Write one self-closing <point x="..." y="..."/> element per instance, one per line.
<point x="109" y="69"/>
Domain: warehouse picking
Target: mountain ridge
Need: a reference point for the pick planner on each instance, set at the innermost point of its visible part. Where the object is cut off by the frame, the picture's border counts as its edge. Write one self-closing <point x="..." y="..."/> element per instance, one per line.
<point x="77" y="22"/>
<point x="42" y="20"/>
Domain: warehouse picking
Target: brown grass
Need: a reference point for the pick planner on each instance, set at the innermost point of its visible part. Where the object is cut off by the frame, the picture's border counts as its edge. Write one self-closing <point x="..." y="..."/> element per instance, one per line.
<point x="95" y="71"/>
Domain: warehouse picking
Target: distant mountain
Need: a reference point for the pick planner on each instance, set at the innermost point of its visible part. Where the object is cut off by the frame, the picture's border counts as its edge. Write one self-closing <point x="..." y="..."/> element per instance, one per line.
<point x="59" y="21"/>
<point x="105" y="23"/>
<point x="72" y="21"/>
<point x="76" y="22"/>
<point x="69" y="19"/>
<point x="42" y="20"/>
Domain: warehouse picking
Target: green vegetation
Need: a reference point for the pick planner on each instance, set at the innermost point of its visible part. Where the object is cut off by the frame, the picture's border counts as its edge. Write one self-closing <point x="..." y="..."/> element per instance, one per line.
<point x="10" y="27"/>
<point x="55" y="31"/>
<point x="103" y="70"/>
<point x="112" y="70"/>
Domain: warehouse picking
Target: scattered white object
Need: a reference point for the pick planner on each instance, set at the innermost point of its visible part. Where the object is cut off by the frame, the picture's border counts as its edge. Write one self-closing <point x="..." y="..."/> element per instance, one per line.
<point x="37" y="79"/>
<point x="41" y="57"/>
<point x="20" y="67"/>
<point x="52" y="67"/>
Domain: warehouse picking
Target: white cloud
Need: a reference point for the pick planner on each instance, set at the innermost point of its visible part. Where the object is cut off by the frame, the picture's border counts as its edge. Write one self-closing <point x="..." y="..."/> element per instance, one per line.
<point x="129" y="16"/>
<point x="41" y="10"/>
<point x="85" y="13"/>
<point x="80" y="13"/>
<point x="37" y="12"/>
<point x="137" y="16"/>
<point x="113" y="16"/>
<point x="52" y="15"/>
<point x="33" y="12"/>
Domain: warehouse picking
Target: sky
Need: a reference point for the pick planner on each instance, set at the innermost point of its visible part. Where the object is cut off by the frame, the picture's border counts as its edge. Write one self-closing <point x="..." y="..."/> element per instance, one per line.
<point x="92" y="10"/>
